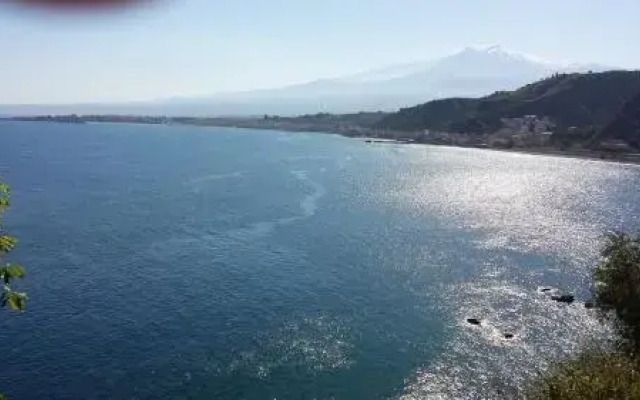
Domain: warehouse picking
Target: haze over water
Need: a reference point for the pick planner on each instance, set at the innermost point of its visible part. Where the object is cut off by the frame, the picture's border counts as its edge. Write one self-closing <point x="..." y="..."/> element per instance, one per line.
<point x="192" y="263"/>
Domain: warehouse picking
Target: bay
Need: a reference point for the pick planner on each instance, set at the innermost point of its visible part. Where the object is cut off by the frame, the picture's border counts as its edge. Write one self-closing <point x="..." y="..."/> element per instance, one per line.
<point x="174" y="262"/>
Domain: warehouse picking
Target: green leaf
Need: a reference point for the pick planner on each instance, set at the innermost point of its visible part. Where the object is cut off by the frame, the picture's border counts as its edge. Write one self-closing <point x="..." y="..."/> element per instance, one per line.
<point x="7" y="243"/>
<point x="4" y="196"/>
<point x="17" y="301"/>
<point x="15" y="270"/>
<point x="11" y="271"/>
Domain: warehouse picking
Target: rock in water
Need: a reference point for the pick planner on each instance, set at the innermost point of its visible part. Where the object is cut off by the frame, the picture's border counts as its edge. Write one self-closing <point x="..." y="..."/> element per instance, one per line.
<point x="589" y="304"/>
<point x="473" y="321"/>
<point x="564" y="298"/>
<point x="508" y="335"/>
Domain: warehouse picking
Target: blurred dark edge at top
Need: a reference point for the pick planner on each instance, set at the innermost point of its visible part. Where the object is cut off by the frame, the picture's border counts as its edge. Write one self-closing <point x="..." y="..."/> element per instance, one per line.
<point x="69" y="5"/>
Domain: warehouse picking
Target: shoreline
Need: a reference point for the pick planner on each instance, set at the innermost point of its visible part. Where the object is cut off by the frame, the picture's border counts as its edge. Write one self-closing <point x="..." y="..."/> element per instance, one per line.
<point x="628" y="159"/>
<point x="620" y="158"/>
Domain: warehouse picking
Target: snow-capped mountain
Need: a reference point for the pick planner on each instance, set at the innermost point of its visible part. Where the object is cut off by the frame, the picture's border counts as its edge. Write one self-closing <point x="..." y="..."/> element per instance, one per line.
<point x="472" y="72"/>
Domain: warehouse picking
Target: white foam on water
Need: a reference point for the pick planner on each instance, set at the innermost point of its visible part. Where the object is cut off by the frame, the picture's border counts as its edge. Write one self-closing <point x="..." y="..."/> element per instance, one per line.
<point x="306" y="158"/>
<point x="308" y="207"/>
<point x="309" y="203"/>
<point x="215" y="177"/>
<point x="479" y="360"/>
<point x="552" y="210"/>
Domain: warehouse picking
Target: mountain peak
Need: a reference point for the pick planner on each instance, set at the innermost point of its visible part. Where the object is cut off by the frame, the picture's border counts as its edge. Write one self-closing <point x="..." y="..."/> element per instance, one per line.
<point x="494" y="49"/>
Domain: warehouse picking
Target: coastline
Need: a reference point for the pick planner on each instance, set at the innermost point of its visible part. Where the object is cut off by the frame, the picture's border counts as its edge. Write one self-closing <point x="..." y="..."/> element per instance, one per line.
<point x="620" y="158"/>
<point x="624" y="158"/>
<point x="630" y="159"/>
<point x="365" y="135"/>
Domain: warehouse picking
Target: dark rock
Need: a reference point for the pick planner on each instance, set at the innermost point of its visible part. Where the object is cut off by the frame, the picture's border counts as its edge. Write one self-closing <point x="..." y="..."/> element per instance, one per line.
<point x="589" y="304"/>
<point x="546" y="289"/>
<point x="473" y="321"/>
<point x="508" y="335"/>
<point x="564" y="298"/>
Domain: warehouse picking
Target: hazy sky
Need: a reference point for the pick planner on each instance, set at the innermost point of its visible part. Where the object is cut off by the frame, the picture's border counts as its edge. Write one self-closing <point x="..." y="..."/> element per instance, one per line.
<point x="192" y="47"/>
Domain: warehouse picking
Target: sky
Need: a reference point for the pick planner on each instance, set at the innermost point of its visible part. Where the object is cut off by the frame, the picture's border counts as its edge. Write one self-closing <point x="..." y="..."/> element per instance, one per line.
<point x="177" y="48"/>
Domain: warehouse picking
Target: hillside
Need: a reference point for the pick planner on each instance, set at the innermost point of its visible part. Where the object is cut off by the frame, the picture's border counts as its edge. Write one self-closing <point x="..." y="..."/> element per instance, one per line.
<point x="626" y="125"/>
<point x="566" y="112"/>
<point x="588" y="101"/>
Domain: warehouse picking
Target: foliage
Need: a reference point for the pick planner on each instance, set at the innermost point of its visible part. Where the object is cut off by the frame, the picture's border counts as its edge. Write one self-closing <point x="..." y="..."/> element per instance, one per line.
<point x="617" y="284"/>
<point x="595" y="373"/>
<point x="570" y="100"/>
<point x="438" y="115"/>
<point x="9" y="271"/>
<point x="591" y="375"/>
<point x="626" y="125"/>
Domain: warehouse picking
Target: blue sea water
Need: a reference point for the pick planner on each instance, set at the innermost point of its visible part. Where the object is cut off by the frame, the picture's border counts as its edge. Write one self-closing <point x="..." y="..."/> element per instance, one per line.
<point x="170" y="262"/>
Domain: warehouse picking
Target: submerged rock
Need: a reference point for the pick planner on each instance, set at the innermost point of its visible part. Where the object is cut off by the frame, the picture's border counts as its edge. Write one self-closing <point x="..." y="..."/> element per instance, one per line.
<point x="508" y="335"/>
<point x="473" y="321"/>
<point x="564" y="298"/>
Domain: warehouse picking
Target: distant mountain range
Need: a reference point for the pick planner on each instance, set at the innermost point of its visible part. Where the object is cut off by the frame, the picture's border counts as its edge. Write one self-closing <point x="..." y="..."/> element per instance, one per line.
<point x="469" y="73"/>
<point x="579" y="112"/>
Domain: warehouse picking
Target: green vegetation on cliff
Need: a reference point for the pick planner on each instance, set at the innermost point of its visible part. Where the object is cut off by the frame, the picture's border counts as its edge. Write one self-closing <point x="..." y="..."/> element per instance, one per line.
<point x="595" y="373"/>
<point x="570" y="100"/>
<point x="591" y="375"/>
<point x="617" y="286"/>
<point x="9" y="271"/>
<point x="626" y="125"/>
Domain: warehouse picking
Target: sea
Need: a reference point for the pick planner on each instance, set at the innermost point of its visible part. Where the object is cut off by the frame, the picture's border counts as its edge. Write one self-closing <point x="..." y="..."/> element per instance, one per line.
<point x="179" y="262"/>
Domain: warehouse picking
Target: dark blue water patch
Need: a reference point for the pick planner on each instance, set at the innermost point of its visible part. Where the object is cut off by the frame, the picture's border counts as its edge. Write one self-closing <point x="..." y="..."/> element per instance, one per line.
<point x="181" y="262"/>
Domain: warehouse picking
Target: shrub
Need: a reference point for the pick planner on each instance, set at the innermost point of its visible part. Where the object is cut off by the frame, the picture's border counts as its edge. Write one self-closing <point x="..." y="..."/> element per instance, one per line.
<point x="9" y="271"/>
<point x="591" y="375"/>
<point x="617" y="285"/>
